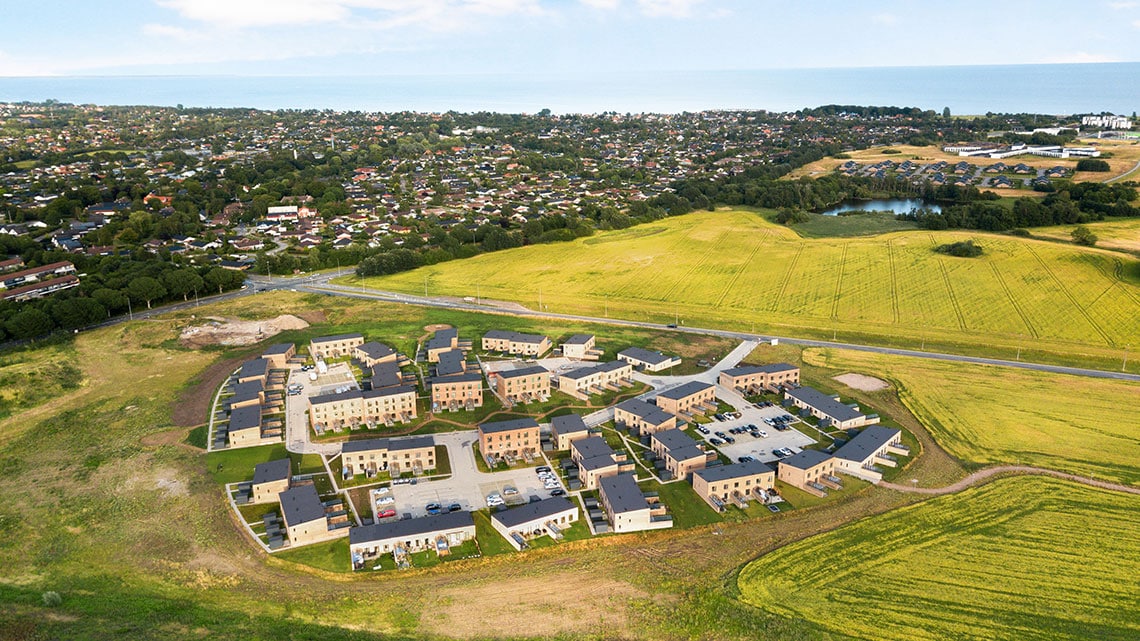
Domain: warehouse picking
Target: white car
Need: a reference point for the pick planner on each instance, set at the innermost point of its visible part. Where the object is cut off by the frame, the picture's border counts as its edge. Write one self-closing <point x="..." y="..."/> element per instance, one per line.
<point x="509" y="491"/>
<point x="382" y="490"/>
<point x="385" y="500"/>
<point x="762" y="433"/>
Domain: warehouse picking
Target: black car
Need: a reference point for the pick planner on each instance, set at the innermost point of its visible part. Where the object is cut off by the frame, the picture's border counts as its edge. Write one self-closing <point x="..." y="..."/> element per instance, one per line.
<point x="558" y="492"/>
<point x="433" y="508"/>
<point x="454" y="507"/>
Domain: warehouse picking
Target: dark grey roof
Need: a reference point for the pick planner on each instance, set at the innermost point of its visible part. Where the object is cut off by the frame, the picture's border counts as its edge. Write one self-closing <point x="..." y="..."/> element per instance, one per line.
<point x="647" y="412"/>
<point x="622" y="493"/>
<point x="686" y="453"/>
<point x="336" y="337"/>
<point x="255" y="367"/>
<point x="568" y="424"/>
<point x="247" y="391"/>
<point x="824" y="403"/>
<point x="411" y="443"/>
<point x="329" y="398"/>
<point x="578" y="339"/>
<point x="866" y="443"/>
<point x="806" y="459"/>
<point x="443" y="338"/>
<point x="278" y="348"/>
<point x="545" y="509"/>
<point x="506" y="426"/>
<point x="388" y="391"/>
<point x="374" y="349"/>
<point x="468" y="377"/>
<point x="364" y="446"/>
<point x="734" y="471"/>
<point x="592" y="446"/>
<point x="514" y="337"/>
<point x="450" y="362"/>
<point x="498" y="334"/>
<point x="612" y="366"/>
<point x="245" y="418"/>
<point x="772" y="368"/>
<point x="301" y="505"/>
<point x="645" y="355"/>
<point x="523" y="371"/>
<point x="597" y="462"/>
<point x="672" y="439"/>
<point x="581" y="372"/>
<point x="272" y="471"/>
<point x="386" y="374"/>
<point x="447" y="522"/>
<point x="685" y="390"/>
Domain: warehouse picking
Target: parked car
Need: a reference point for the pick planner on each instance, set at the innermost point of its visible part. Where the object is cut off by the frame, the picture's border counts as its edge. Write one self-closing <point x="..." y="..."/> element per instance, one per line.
<point x="386" y="514"/>
<point x="433" y="508"/>
<point x="715" y="441"/>
<point x="510" y="491"/>
<point x="542" y="469"/>
<point x="385" y="500"/>
<point x="557" y="492"/>
<point x="454" y="507"/>
<point x="762" y="433"/>
<point x="702" y="429"/>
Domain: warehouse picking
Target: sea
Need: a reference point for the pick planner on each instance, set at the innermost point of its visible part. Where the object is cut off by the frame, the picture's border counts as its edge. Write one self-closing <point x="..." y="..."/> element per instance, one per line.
<point x="1042" y="89"/>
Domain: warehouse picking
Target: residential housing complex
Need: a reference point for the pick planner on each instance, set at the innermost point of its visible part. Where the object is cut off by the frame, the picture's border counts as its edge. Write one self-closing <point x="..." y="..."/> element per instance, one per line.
<point x="627" y="508"/>
<point x="720" y="485"/>
<point x="307" y="519"/>
<point x="649" y="361"/>
<point x="439" y="533"/>
<point x="548" y="517"/>
<point x="872" y="447"/>
<point x="515" y="343"/>
<point x="521" y="385"/>
<point x="828" y="409"/>
<point x="645" y="418"/>
<point x="269" y="480"/>
<point x="354" y="408"/>
<point x="456" y="392"/>
<point x="396" y="456"/>
<point x="595" y="379"/>
<point x="597" y="460"/>
<point x="328" y="347"/>
<point x="373" y="353"/>
<point x="444" y="340"/>
<point x="681" y="454"/>
<point x="581" y="347"/>
<point x="689" y="398"/>
<point x="513" y="438"/>
<point x="756" y="379"/>
<point x="566" y="429"/>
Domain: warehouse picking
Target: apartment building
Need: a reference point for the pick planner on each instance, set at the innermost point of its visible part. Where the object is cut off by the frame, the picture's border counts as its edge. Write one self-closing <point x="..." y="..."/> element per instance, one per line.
<point x="395" y="456"/>
<point x="597" y="460"/>
<point x="541" y="518"/>
<point x="444" y="340"/>
<point x="754" y="379"/>
<point x="515" y="437"/>
<point x="566" y="429"/>
<point x="645" y="418"/>
<point x="354" y="408"/>
<point x="722" y="484"/>
<point x="693" y="397"/>
<point x="456" y="392"/>
<point x="245" y="426"/>
<point x="327" y="347"/>
<point x="874" y="446"/>
<point x="269" y="480"/>
<point x="647" y="360"/>
<point x="406" y="536"/>
<point x="627" y="508"/>
<point x="304" y="515"/>
<point x="596" y="378"/>
<point x="521" y="385"/>
<point x="373" y="353"/>
<point x="246" y="394"/>
<point x="809" y="466"/>
<point x="581" y="347"/>
<point x="279" y="354"/>
<point x="681" y="453"/>
<point x="515" y="343"/>
<point x="828" y="409"/>
<point x="253" y="370"/>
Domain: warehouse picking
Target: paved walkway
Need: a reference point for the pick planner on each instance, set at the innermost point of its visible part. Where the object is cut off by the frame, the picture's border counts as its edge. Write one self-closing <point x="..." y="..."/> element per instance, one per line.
<point x="983" y="475"/>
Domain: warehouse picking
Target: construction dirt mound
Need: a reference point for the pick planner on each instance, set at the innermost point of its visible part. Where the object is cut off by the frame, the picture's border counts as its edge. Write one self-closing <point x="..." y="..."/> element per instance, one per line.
<point x="230" y="331"/>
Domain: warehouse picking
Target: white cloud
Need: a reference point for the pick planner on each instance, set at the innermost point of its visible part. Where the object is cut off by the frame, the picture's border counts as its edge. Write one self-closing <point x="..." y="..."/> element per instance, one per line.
<point x="1081" y="57"/>
<point x="170" y="32"/>
<point x="668" y="8"/>
<point x="1123" y="5"/>
<point x="245" y="14"/>
<point x="885" y="19"/>
<point x="1136" y="23"/>
<point x="601" y="4"/>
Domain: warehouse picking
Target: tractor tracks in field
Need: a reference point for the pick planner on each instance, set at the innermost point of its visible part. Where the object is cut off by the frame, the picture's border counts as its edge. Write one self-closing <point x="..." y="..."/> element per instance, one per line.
<point x="1072" y="299"/>
<point x="983" y="476"/>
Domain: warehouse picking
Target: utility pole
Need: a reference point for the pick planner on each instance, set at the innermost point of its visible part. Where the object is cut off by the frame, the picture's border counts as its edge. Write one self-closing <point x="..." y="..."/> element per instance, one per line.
<point x="1124" y="365"/>
<point x="540" y="299"/>
<point x="130" y="312"/>
<point x="425" y="285"/>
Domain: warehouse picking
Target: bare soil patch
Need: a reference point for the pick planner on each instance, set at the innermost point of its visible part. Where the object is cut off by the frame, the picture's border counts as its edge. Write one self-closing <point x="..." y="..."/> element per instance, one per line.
<point x="435" y="328"/>
<point x="862" y="382"/>
<point x="536" y="607"/>
<point x="229" y="331"/>
<point x="313" y="317"/>
<point x="193" y="405"/>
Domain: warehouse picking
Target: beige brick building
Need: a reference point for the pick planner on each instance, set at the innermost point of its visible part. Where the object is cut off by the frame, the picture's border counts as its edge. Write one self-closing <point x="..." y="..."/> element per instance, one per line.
<point x="693" y="397"/>
<point x="828" y="409"/>
<point x="627" y="508"/>
<point x="444" y="340"/>
<point x="521" y="385"/>
<point x="681" y="453"/>
<point x="809" y="466"/>
<point x="326" y="347"/>
<point x="457" y="392"/>
<point x="753" y="379"/>
<point x="395" y="456"/>
<point x="373" y="353"/>
<point x="597" y="460"/>
<point x="279" y="354"/>
<point x="596" y="379"/>
<point x="566" y="429"/>
<point x="269" y="480"/>
<point x="718" y="486"/>
<point x="644" y="417"/>
<point x="509" y="438"/>
<point x="439" y="533"/>
<point x="354" y="408"/>
<point x="304" y="515"/>
<point x="515" y="343"/>
<point x="581" y="347"/>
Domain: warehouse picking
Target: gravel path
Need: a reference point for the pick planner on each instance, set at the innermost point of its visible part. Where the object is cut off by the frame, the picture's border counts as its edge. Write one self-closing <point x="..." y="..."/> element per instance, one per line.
<point x="984" y="475"/>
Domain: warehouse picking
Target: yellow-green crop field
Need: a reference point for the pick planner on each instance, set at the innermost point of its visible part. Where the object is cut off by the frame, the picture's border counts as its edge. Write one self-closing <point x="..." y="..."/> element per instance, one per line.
<point x="1019" y="559"/>
<point x="735" y="269"/>
<point x="1121" y="235"/>
<point x="986" y="414"/>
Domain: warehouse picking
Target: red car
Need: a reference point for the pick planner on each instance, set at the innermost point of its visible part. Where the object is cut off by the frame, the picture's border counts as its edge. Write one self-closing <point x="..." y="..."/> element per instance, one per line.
<point x="386" y="514"/>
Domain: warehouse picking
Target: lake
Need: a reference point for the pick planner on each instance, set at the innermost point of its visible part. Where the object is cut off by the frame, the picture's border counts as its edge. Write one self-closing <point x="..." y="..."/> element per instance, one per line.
<point x="892" y="205"/>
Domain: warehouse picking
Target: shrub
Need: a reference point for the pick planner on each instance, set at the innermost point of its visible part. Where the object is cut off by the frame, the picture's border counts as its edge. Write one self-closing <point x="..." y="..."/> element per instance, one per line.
<point x="1092" y="164"/>
<point x="788" y="216"/>
<point x="964" y="249"/>
<point x="1020" y="231"/>
<point x="891" y="151"/>
<point x="52" y="599"/>
<point x="1083" y="236"/>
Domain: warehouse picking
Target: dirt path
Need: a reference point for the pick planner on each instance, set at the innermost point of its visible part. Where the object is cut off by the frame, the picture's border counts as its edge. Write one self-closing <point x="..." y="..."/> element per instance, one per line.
<point x="990" y="472"/>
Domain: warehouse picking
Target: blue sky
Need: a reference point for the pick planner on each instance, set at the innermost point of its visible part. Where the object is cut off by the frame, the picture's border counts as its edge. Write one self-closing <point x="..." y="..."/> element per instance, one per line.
<point x="324" y="37"/>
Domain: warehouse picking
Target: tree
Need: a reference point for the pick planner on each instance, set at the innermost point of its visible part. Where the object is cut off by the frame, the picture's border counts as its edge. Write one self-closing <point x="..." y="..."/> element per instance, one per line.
<point x="145" y="288"/>
<point x="1083" y="236"/>
<point x="74" y="313"/>
<point x="29" y="323"/>
<point x="946" y="112"/>
<point x="182" y="281"/>
<point x="112" y="300"/>
<point x="223" y="278"/>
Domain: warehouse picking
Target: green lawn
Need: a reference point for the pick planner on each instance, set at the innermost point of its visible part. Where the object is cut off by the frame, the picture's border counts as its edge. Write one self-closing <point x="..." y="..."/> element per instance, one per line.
<point x="232" y="466"/>
<point x="330" y="555"/>
<point x="1021" y="559"/>
<point x="491" y="542"/>
<point x="687" y="508"/>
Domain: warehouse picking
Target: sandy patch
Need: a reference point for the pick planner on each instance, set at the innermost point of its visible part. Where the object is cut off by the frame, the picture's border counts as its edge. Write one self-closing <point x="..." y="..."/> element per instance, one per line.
<point x="535" y="607"/>
<point x="862" y="382"/>
<point x="229" y="331"/>
<point x="435" y="328"/>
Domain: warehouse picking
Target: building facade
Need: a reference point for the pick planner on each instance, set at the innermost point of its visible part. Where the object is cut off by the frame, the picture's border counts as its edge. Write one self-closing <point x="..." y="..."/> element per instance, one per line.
<point x="521" y="385"/>
<point x="647" y="360"/>
<point x="645" y="418"/>
<point x="440" y="533"/>
<point x="754" y="379"/>
<point x="515" y="343"/>
<point x="717" y="486"/>
<point x="581" y="347"/>
<point x="809" y="466"/>
<point x="828" y="409"/>
<point x="541" y="518"/>
<point x="595" y="379"/>
<point x="326" y="347"/>
<point x="457" y="392"/>
<point x="693" y="397"/>
<point x="627" y="508"/>
<point x="354" y="408"/>
<point x="566" y="429"/>
<point x="516" y="437"/>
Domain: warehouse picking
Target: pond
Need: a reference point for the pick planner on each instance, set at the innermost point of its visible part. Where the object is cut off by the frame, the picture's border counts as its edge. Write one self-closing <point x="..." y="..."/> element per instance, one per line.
<point x="892" y="205"/>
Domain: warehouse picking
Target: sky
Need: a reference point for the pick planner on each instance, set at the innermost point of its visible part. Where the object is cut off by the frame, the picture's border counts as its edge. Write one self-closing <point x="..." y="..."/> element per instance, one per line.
<point x="384" y="37"/>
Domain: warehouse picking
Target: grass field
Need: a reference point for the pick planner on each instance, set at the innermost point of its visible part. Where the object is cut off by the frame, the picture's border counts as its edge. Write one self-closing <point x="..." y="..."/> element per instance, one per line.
<point x="984" y="414"/>
<point x="735" y="269"/>
<point x="1120" y="235"/>
<point x="871" y="224"/>
<point x="1019" y="559"/>
<point x="1125" y="154"/>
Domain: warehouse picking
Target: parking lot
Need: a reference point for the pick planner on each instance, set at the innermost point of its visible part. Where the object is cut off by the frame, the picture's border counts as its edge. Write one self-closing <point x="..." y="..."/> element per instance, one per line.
<point x="467" y="486"/>
<point x="758" y="448"/>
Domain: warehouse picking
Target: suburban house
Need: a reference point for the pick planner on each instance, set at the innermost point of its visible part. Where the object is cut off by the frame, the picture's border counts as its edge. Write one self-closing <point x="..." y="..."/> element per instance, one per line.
<point x="444" y="340"/>
<point x="396" y="456"/>
<point x="254" y="370"/>
<point x="828" y="409"/>
<point x="326" y="347"/>
<point x="355" y="407"/>
<point x="440" y="533"/>
<point x="269" y="480"/>
<point x="35" y="274"/>
<point x="597" y="460"/>
<point x="456" y="392"/>
<point x="644" y="417"/>
<point x="247" y="393"/>
<point x="566" y="429"/>
<point x="754" y="379"/>
<point x="649" y="361"/>
<point x="521" y="385"/>
<point x="515" y="437"/>
<point x="627" y="508"/>
<point x="722" y="484"/>
<point x="279" y="354"/>
<point x="39" y="289"/>
<point x="581" y="347"/>
<point x="373" y="353"/>
<point x="870" y="448"/>
<point x="693" y="397"/>
<point x="807" y="468"/>
<point x="530" y="521"/>
<point x="245" y="426"/>
<point x="515" y="343"/>
<point x="304" y="514"/>
<point x="681" y="454"/>
<point x="596" y="378"/>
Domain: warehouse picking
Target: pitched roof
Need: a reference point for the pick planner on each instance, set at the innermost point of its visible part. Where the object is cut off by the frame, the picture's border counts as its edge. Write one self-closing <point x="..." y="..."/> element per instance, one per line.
<point x="568" y="424"/>
<point x="647" y="412"/>
<point x="522" y="371"/>
<point x="365" y="445"/>
<point x="467" y="377"/>
<point x="374" y="349"/>
<point x="578" y="339"/>
<point x="272" y="471"/>
<point x="622" y="493"/>
<point x="744" y="370"/>
<point x="255" y="367"/>
<point x="806" y="459"/>
<point x="446" y="522"/>
<point x="671" y="439"/>
<point x="592" y="446"/>
<point x="507" y="426"/>
<point x="389" y="391"/>
<point x="245" y="418"/>
<point x="734" y="471"/>
<point x="544" y="509"/>
<point x="645" y="355"/>
<point x="278" y="348"/>
<point x="336" y="337"/>
<point x="450" y="362"/>
<point x="866" y="443"/>
<point x="685" y="390"/>
<point x="410" y="443"/>
<point x="386" y="374"/>
<point x="301" y="504"/>
<point x="824" y="403"/>
<point x="247" y="391"/>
